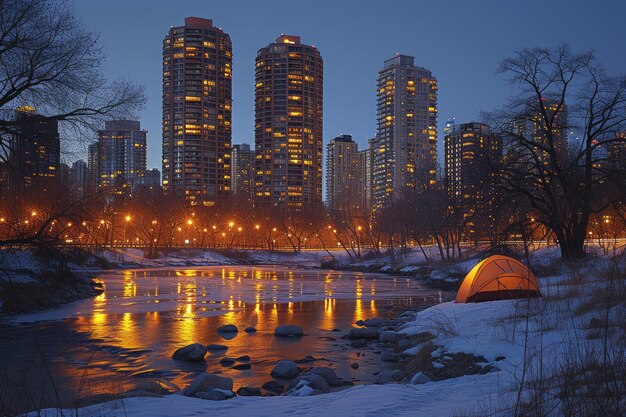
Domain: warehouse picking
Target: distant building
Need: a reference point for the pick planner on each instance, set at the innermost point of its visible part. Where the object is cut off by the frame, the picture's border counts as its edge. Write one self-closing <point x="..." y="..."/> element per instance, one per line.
<point x="121" y="154"/>
<point x="405" y="147"/>
<point x="242" y="177"/>
<point x="197" y="100"/>
<point x="366" y="166"/>
<point x="34" y="151"/>
<point x="616" y="154"/>
<point x="532" y="126"/>
<point x="151" y="180"/>
<point x="288" y="124"/>
<point x="79" y="178"/>
<point x="343" y="174"/>
<point x="472" y="156"/>
<point x="93" y="167"/>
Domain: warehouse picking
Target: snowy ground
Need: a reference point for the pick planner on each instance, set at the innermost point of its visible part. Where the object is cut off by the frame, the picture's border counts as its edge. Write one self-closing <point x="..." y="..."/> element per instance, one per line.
<point x="506" y="331"/>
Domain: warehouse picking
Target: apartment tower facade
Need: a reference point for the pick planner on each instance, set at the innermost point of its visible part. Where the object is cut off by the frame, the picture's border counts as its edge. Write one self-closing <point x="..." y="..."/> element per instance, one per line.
<point x="197" y="111"/>
<point x="405" y="147"/>
<point x="288" y="124"/>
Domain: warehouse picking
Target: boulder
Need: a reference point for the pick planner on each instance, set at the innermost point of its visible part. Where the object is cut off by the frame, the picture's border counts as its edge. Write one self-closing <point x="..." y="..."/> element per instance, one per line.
<point x="374" y="322"/>
<point x="249" y="392"/>
<point x="389" y="356"/>
<point x="288" y="330"/>
<point x="208" y="381"/>
<point x="273" y="386"/>
<point x="227" y="328"/>
<point x="250" y="329"/>
<point x="191" y="353"/>
<point x="215" y="394"/>
<point x="214" y="347"/>
<point x="420" y="378"/>
<point x="328" y="374"/>
<point x="386" y="377"/>
<point x="314" y="381"/>
<point x="388" y="336"/>
<point x="285" y="370"/>
<point x="363" y="333"/>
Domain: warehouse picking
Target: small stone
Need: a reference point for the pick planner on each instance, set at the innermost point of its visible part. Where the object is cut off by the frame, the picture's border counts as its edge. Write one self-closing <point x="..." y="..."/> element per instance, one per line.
<point x="388" y="336"/>
<point x="226" y="361"/>
<point x="250" y="330"/>
<point x="191" y="353"/>
<point x="249" y="392"/>
<point x="273" y="386"/>
<point x="215" y="394"/>
<point x="420" y="378"/>
<point x="214" y="347"/>
<point x="389" y="376"/>
<point x="328" y="374"/>
<point x="244" y="358"/>
<point x="242" y="366"/>
<point x="227" y="328"/>
<point x="285" y="370"/>
<point x="354" y="366"/>
<point x="288" y="331"/>
<point x="388" y="356"/>
<point x="204" y="382"/>
<point x="363" y="333"/>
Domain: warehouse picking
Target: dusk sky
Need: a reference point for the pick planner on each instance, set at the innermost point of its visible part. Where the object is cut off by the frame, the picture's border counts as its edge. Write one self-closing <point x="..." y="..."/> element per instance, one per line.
<point x="461" y="42"/>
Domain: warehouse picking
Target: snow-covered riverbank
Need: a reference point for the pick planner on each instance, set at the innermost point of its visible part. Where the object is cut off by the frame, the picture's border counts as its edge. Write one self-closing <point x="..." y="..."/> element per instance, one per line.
<point x="559" y="353"/>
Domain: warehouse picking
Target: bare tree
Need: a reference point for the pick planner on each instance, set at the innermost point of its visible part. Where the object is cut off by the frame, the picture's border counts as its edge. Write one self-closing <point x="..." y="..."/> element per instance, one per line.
<point x="564" y="185"/>
<point x="50" y="62"/>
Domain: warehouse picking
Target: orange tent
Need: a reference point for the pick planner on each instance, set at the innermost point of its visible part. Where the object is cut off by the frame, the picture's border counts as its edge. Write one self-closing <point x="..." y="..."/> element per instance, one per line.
<point x="498" y="278"/>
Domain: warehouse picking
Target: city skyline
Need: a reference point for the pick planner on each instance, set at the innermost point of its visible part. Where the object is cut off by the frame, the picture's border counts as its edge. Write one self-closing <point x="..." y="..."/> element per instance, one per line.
<point x="437" y="44"/>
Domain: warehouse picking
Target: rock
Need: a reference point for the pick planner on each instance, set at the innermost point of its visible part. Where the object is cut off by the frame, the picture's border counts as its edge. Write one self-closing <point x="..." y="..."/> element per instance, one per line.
<point x="285" y="370"/>
<point x="215" y="394"/>
<point x="226" y="361"/>
<point x="389" y="336"/>
<point x="355" y="365"/>
<point x="386" y="377"/>
<point x="363" y="333"/>
<point x="249" y="392"/>
<point x="244" y="358"/>
<point x="389" y="356"/>
<point x="375" y="322"/>
<point x="306" y="359"/>
<point x="207" y="381"/>
<point x="191" y="353"/>
<point x="288" y="330"/>
<point x="242" y="366"/>
<point x="420" y="378"/>
<point x="273" y="386"/>
<point x="328" y="374"/>
<point x="227" y="328"/>
<point x="314" y="381"/>
<point x="250" y="330"/>
<point x="154" y="386"/>
<point x="214" y="347"/>
<point x="359" y="323"/>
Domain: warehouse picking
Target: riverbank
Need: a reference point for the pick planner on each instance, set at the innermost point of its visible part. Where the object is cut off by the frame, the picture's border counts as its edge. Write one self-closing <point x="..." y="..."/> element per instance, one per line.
<point x="562" y="352"/>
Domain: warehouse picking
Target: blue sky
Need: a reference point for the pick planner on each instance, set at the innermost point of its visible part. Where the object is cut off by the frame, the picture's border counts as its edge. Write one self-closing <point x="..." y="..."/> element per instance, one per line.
<point x="461" y="42"/>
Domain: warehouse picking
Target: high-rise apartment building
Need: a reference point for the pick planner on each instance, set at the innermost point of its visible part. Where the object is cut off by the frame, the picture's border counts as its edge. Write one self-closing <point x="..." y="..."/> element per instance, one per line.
<point x="197" y="108"/>
<point x="242" y="178"/>
<point x="34" y="151"/>
<point x="93" y="164"/>
<point x="122" y="154"/>
<point x="343" y="175"/>
<point x="471" y="168"/>
<point x="288" y="124"/>
<point x="79" y="178"/>
<point x="405" y="147"/>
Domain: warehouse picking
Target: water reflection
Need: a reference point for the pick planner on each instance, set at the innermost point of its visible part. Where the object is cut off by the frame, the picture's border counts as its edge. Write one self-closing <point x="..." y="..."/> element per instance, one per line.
<point x="143" y="316"/>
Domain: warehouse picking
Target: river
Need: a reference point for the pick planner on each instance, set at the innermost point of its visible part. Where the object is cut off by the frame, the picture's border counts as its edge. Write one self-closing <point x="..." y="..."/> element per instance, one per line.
<point x="108" y="344"/>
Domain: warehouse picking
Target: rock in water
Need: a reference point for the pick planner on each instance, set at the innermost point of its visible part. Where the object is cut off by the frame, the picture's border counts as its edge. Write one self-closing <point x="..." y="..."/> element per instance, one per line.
<point x="191" y="353"/>
<point x="388" y="356"/>
<point x="285" y="370"/>
<point x="214" y="347"/>
<point x="215" y="394"/>
<point x="288" y="330"/>
<point x="355" y="365"/>
<point x="227" y="328"/>
<point x="273" y="386"/>
<point x="328" y="374"/>
<point x="297" y="387"/>
<point x="250" y="330"/>
<point x="249" y="392"/>
<point x="389" y="376"/>
<point x="226" y="361"/>
<point x="205" y="382"/>
<point x="242" y="366"/>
